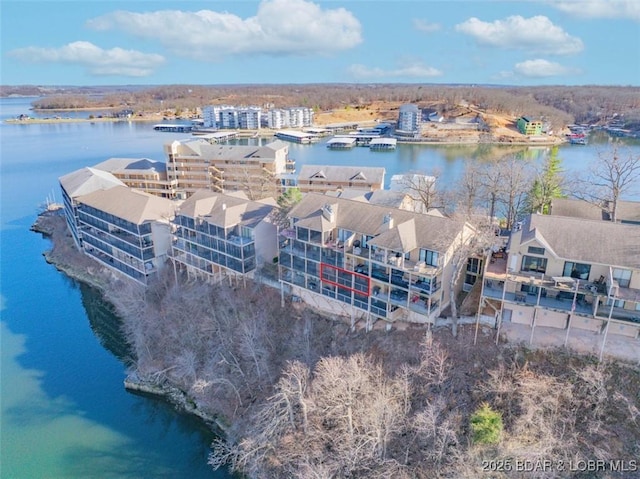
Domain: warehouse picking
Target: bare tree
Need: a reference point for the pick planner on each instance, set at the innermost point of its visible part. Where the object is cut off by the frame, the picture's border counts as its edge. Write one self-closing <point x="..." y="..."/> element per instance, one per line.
<point x="612" y="175"/>
<point x="423" y="189"/>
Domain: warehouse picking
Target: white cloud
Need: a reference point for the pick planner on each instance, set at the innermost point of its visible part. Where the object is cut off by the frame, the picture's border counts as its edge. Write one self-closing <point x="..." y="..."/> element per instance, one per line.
<point x="96" y="60"/>
<point x="280" y="27"/>
<point x="415" y="70"/>
<point x="425" y="26"/>
<point x="600" y="8"/>
<point x="537" y="34"/>
<point x="541" y="68"/>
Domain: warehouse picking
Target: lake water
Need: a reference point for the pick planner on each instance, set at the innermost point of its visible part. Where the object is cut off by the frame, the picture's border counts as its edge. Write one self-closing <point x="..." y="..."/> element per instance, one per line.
<point x="64" y="411"/>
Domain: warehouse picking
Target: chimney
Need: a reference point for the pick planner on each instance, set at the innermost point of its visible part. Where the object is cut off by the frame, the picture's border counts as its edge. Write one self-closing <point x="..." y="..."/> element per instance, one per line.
<point x="329" y="213"/>
<point x="224" y="206"/>
<point x="388" y="220"/>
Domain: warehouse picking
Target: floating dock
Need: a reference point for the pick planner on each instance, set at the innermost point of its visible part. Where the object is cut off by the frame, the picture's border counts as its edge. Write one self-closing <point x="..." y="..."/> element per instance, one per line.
<point x="173" y="127"/>
<point x="296" y="136"/>
<point x="383" y="144"/>
<point x="341" y="142"/>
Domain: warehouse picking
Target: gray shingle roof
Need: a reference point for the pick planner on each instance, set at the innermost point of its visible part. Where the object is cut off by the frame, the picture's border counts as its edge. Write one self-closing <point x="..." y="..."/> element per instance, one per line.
<point x="207" y="150"/>
<point x="128" y="165"/>
<point x="589" y="241"/>
<point x="87" y="180"/>
<point x="429" y="232"/>
<point x="129" y="204"/>
<point x="356" y="174"/>
<point x="225" y="210"/>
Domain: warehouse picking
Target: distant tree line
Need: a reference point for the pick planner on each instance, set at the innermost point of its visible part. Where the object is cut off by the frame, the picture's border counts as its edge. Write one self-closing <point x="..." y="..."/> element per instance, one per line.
<point x="559" y="105"/>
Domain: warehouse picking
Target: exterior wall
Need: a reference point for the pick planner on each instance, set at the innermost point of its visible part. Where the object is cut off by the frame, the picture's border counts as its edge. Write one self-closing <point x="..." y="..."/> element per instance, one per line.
<point x="161" y="235"/>
<point x="552" y="319"/>
<point x="71" y="217"/>
<point x="266" y="234"/>
<point x="521" y="314"/>
<point x="624" y="329"/>
<point x="589" y="324"/>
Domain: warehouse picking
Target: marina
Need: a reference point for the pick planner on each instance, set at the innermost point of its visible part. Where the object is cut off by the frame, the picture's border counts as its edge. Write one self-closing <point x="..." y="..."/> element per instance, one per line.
<point x="173" y="127"/>
<point x="383" y="144"/>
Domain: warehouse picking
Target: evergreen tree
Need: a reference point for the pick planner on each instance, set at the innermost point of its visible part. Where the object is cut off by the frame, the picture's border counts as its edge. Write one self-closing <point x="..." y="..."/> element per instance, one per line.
<point x="547" y="185"/>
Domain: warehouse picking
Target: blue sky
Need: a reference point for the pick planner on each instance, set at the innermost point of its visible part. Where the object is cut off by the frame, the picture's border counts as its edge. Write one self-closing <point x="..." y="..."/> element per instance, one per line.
<point x="520" y="42"/>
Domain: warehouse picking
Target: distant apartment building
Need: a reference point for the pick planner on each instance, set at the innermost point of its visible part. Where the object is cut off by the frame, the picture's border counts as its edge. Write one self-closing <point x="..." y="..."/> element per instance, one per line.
<point x="567" y="273"/>
<point x="141" y="173"/>
<point x="529" y="127"/>
<point x="217" y="234"/>
<point x="197" y="164"/>
<point x="409" y="121"/>
<point x="295" y="117"/>
<point x="79" y="183"/>
<point x="323" y="178"/>
<point x="367" y="261"/>
<point x="225" y="117"/>
<point x="125" y="230"/>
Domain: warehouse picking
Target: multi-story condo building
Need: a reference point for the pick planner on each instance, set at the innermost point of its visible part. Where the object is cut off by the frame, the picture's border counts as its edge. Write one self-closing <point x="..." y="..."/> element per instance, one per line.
<point x="368" y="261"/>
<point x="143" y="174"/>
<point x="567" y="273"/>
<point x="222" y="117"/>
<point x="295" y="117"/>
<point x="197" y="164"/>
<point x="323" y="178"/>
<point x="78" y="183"/>
<point x="126" y="230"/>
<point x="217" y="234"/>
<point x="409" y="120"/>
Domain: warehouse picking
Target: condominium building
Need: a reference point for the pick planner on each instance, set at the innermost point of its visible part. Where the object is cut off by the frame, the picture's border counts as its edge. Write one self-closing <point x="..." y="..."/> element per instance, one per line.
<point x="223" y="117"/>
<point x="368" y="261"/>
<point x="409" y="120"/>
<point x="197" y="164"/>
<point x="295" y="117"/>
<point x="323" y="178"/>
<point x="78" y="183"/>
<point x="126" y="230"/>
<point x="217" y="234"/>
<point x="141" y="173"/>
<point x="567" y="273"/>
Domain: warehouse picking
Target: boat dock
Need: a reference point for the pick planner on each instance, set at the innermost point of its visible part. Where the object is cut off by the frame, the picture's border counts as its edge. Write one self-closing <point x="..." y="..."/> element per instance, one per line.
<point x="383" y="144"/>
<point x="216" y="136"/>
<point x="296" y="136"/>
<point x="341" y="142"/>
<point x="173" y="127"/>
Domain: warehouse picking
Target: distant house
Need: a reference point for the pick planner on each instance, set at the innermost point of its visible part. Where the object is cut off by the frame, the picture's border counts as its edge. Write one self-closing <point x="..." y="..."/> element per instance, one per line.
<point x="529" y="127"/>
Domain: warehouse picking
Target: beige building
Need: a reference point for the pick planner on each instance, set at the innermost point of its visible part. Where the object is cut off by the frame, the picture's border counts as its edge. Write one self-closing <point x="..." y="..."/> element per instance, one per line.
<point x="368" y="261"/>
<point x="126" y="230"/>
<point x="197" y="164"/>
<point x="217" y="234"/>
<point x="141" y="173"/>
<point x="567" y="273"/>
<point x="323" y="178"/>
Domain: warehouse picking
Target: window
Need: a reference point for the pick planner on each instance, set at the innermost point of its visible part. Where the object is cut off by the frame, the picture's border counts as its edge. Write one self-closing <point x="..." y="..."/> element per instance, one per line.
<point x="473" y="265"/>
<point x="429" y="257"/>
<point x="576" y="270"/>
<point x="536" y="250"/>
<point x="622" y="276"/>
<point x="530" y="263"/>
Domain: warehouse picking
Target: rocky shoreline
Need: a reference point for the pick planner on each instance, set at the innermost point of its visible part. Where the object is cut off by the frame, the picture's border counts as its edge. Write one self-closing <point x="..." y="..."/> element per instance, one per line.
<point x="69" y="261"/>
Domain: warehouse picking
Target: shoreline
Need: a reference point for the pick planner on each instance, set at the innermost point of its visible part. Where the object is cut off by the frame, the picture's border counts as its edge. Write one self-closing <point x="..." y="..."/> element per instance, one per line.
<point x="72" y="263"/>
<point x="265" y="133"/>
